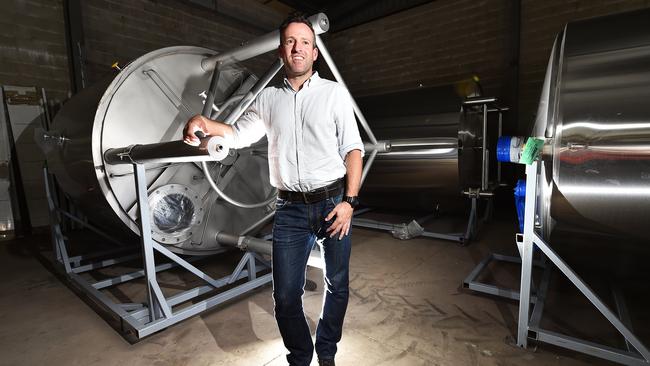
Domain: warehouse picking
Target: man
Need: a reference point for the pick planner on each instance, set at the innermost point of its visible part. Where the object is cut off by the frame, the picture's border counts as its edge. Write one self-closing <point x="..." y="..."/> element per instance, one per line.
<point x="313" y="143"/>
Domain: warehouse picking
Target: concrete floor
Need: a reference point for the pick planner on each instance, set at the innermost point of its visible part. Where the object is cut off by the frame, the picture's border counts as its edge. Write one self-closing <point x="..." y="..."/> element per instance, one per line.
<point x="407" y="307"/>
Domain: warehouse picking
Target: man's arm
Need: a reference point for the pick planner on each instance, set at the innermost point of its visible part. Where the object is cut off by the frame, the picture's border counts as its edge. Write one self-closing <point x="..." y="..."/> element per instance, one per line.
<point x="205" y="125"/>
<point x="353" y="167"/>
<point x="343" y="211"/>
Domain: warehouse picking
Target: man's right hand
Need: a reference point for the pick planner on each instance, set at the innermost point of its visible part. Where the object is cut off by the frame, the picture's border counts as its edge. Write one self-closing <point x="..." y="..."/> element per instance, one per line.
<point x="196" y="123"/>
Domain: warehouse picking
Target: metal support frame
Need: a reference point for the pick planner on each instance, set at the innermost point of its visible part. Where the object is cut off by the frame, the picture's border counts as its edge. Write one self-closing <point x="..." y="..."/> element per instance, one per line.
<point x="487" y="105"/>
<point x="529" y="326"/>
<point x="74" y="32"/>
<point x="20" y="209"/>
<point x="157" y="312"/>
<point x="414" y="227"/>
<point x="529" y="323"/>
<point x="472" y="282"/>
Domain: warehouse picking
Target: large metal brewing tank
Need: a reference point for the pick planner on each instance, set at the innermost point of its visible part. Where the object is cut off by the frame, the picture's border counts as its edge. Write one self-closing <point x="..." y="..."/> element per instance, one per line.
<point x="423" y="176"/>
<point x="595" y="113"/>
<point x="149" y="101"/>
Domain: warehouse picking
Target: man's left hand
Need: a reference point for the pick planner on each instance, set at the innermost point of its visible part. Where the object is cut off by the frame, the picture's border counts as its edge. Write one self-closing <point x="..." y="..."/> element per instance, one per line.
<point x="343" y="212"/>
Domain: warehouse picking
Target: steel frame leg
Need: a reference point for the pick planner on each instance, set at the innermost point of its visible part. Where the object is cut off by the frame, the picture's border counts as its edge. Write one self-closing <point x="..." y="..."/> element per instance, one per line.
<point x="526" y="252"/>
<point x="58" y="240"/>
<point x="156" y="301"/>
<point x="471" y="221"/>
<point x="529" y="327"/>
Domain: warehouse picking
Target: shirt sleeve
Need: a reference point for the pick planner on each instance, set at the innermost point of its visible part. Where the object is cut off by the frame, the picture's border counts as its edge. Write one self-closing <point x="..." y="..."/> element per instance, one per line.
<point x="346" y="124"/>
<point x="249" y="128"/>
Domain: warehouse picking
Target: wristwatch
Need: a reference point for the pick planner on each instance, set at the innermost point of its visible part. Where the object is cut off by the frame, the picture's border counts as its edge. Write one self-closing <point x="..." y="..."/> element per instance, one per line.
<point x="352" y="200"/>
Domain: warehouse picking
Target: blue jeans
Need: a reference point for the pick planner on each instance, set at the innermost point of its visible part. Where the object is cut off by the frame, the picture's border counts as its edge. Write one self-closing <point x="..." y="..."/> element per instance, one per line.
<point x="296" y="228"/>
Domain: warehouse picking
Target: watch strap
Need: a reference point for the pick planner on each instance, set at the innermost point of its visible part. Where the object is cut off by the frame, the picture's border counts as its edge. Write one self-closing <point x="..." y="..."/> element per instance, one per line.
<point x="352" y="200"/>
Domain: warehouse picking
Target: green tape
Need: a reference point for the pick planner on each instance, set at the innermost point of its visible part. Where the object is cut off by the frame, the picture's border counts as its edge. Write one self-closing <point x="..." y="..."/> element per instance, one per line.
<point x="531" y="151"/>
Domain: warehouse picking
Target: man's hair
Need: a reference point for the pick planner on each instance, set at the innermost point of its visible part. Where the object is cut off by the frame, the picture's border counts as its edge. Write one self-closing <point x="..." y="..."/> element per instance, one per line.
<point x="296" y="18"/>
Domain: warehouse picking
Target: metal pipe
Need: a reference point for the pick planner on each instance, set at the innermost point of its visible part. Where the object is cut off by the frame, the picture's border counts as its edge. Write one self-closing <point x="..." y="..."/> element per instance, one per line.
<point x="46" y="109"/>
<point x="231" y="200"/>
<point x="432" y="142"/>
<point x="500" y="132"/>
<point x="235" y="97"/>
<point x="259" y="223"/>
<point x="212" y="91"/>
<point x="479" y="100"/>
<point x="420" y="153"/>
<point x="90" y="227"/>
<point x="381" y="146"/>
<point x="484" y="166"/>
<point x="247" y="243"/>
<point x="386" y="146"/>
<point x="246" y="101"/>
<point x="366" y="168"/>
<point x="167" y="152"/>
<point x="261" y="45"/>
<point x="337" y="75"/>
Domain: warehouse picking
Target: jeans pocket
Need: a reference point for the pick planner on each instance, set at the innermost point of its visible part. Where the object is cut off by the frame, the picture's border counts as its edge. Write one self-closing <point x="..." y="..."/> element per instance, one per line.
<point x="333" y="201"/>
<point x="279" y="203"/>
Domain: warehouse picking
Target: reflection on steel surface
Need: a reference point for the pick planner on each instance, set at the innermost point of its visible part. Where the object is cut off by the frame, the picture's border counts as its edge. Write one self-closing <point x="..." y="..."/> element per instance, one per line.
<point x="134" y="108"/>
<point x="595" y="107"/>
<point x="434" y="145"/>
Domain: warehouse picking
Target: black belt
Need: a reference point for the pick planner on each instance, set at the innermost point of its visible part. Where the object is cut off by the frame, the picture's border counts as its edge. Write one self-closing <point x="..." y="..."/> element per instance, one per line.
<point x="314" y="196"/>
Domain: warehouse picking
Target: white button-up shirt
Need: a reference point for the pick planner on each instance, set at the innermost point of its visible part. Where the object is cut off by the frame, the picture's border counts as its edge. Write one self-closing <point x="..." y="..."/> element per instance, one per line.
<point x="309" y="132"/>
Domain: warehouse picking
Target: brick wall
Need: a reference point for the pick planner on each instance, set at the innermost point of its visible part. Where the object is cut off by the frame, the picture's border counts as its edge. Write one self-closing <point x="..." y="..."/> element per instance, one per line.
<point x="123" y="30"/>
<point x="541" y="21"/>
<point x="437" y="43"/>
<point x="32" y="46"/>
<point x="448" y="40"/>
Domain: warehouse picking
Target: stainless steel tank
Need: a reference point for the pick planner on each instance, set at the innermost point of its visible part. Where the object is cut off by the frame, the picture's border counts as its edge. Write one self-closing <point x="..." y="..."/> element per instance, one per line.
<point x="436" y="151"/>
<point x="595" y="115"/>
<point x="149" y="101"/>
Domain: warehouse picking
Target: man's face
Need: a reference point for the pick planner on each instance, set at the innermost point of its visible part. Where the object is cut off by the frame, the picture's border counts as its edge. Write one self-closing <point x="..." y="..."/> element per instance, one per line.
<point x="297" y="50"/>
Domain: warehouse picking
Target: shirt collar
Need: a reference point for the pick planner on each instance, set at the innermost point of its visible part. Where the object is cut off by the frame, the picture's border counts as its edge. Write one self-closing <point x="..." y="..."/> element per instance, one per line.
<point x="313" y="79"/>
